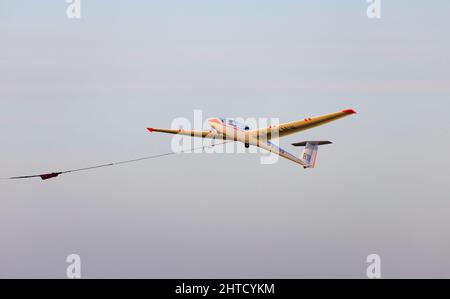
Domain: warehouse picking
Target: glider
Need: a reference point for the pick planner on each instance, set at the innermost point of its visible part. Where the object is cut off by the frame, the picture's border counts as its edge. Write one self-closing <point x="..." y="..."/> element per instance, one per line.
<point x="229" y="129"/>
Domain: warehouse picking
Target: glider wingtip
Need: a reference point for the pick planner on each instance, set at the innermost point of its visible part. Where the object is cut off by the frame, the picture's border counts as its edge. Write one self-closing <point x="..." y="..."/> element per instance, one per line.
<point x="349" y="111"/>
<point x="150" y="130"/>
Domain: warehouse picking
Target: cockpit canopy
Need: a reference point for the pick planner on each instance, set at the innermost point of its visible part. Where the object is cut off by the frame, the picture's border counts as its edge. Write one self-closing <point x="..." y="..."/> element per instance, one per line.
<point x="234" y="123"/>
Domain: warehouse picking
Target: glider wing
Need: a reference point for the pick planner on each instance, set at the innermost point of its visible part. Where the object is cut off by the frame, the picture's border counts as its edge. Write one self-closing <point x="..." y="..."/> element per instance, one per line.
<point x="202" y="134"/>
<point x="299" y="125"/>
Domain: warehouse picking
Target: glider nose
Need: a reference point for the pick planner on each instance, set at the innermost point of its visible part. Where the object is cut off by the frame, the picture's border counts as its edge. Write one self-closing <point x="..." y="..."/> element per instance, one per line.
<point x="214" y="122"/>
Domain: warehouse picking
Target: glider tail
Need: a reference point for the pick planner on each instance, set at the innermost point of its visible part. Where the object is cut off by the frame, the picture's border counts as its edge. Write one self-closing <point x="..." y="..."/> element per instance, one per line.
<point x="309" y="154"/>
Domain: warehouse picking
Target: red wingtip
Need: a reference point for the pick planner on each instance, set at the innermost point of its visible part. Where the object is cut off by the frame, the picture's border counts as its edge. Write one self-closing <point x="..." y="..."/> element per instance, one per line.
<point x="349" y="111"/>
<point x="150" y="130"/>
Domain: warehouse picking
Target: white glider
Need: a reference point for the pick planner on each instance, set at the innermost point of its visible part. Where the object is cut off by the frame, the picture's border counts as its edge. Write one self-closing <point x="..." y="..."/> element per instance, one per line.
<point x="229" y="129"/>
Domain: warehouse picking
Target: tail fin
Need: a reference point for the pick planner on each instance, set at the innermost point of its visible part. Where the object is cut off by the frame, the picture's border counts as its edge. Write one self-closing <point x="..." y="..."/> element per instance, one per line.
<point x="309" y="155"/>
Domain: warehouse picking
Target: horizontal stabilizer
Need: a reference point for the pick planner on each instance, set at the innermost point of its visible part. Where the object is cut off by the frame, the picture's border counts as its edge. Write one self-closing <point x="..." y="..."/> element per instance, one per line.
<point x="303" y="143"/>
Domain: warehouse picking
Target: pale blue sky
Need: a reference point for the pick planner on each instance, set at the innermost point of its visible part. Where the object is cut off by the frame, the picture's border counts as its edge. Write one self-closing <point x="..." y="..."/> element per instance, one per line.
<point x="77" y="92"/>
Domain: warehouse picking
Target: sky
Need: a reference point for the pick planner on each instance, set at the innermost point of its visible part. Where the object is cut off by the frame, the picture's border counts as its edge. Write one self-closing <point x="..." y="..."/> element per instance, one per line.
<point x="77" y="92"/>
